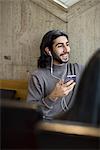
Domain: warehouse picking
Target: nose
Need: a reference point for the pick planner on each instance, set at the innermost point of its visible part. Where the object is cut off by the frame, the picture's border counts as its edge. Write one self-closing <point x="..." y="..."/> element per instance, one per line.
<point x="66" y="48"/>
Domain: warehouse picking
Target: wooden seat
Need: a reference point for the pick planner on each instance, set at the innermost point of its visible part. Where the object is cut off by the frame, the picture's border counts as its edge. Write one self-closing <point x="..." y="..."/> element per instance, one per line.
<point x="58" y="135"/>
<point x="20" y="86"/>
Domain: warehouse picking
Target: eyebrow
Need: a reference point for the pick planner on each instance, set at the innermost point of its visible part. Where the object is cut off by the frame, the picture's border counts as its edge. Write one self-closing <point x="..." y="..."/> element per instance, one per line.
<point x="60" y="43"/>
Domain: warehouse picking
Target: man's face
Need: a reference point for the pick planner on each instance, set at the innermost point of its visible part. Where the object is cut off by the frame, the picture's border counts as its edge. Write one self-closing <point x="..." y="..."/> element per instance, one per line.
<point x="61" y="50"/>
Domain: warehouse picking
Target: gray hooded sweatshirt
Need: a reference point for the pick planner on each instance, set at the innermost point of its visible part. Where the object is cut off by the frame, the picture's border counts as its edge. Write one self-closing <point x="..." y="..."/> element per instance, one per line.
<point x="42" y="82"/>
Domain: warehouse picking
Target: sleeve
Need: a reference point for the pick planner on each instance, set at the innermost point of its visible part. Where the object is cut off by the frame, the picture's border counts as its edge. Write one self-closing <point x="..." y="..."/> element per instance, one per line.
<point x="36" y="93"/>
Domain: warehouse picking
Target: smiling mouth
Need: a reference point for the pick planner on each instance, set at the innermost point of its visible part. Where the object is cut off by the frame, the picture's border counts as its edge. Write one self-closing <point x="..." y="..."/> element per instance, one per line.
<point x="65" y="57"/>
<point x="65" y="54"/>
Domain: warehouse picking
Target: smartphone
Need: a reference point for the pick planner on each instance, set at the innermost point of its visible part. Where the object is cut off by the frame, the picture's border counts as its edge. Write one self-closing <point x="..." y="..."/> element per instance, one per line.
<point x="70" y="77"/>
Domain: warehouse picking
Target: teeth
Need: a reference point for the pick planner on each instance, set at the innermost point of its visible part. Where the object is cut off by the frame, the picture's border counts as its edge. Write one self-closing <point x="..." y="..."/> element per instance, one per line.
<point x="64" y="55"/>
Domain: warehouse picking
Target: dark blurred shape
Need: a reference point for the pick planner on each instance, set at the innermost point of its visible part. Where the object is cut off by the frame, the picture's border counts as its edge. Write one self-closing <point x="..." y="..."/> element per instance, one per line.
<point x="67" y="136"/>
<point x="86" y="107"/>
<point x="7" y="57"/>
<point x="18" y="122"/>
<point x="7" y="94"/>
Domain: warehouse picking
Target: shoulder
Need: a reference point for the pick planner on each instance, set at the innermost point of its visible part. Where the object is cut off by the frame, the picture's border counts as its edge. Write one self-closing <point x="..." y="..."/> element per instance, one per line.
<point x="77" y="66"/>
<point x="36" y="77"/>
<point x="39" y="74"/>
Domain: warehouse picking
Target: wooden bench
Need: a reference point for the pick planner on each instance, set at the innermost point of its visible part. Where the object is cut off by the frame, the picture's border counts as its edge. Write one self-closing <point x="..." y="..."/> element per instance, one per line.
<point x="20" y="86"/>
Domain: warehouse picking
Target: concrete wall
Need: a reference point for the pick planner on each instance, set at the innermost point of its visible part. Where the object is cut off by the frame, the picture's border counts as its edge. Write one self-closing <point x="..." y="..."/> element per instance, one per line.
<point x="22" y="25"/>
<point x="84" y="29"/>
<point x="24" y="22"/>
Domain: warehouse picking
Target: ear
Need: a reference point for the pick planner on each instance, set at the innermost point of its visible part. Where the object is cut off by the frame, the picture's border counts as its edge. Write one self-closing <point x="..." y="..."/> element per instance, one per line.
<point x="47" y="51"/>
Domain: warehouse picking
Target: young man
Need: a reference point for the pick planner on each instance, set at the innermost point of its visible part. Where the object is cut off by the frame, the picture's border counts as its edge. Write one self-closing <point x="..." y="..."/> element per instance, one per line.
<point x="51" y="85"/>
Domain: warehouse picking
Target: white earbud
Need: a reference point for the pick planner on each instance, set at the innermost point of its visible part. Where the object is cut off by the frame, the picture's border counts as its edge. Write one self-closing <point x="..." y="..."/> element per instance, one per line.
<point x="49" y="52"/>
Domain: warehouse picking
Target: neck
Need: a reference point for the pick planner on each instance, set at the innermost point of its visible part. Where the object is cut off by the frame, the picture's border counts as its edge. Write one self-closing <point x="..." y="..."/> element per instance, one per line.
<point x="55" y="62"/>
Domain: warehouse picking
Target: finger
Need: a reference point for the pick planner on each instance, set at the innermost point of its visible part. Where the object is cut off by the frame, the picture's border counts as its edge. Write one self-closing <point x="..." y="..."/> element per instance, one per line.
<point x="68" y="91"/>
<point x="69" y="82"/>
<point x="70" y="87"/>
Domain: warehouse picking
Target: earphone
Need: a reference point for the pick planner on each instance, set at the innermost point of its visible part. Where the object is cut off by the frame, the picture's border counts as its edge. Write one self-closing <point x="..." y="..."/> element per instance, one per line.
<point x="49" y="52"/>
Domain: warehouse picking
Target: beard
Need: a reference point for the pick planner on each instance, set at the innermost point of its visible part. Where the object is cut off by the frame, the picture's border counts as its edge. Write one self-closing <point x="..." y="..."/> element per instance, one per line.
<point x="57" y="58"/>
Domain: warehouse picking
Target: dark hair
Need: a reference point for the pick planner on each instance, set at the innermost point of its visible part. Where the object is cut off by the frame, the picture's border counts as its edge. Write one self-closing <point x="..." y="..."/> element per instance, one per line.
<point x="47" y="41"/>
<point x="86" y="107"/>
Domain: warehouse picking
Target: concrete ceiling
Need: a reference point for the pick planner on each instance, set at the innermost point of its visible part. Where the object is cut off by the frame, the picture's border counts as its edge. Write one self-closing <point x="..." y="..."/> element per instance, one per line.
<point x="66" y="3"/>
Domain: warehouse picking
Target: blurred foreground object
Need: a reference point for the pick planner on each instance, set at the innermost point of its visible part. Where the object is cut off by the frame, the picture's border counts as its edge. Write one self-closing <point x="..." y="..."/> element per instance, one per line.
<point x="67" y="135"/>
<point x="18" y="122"/>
